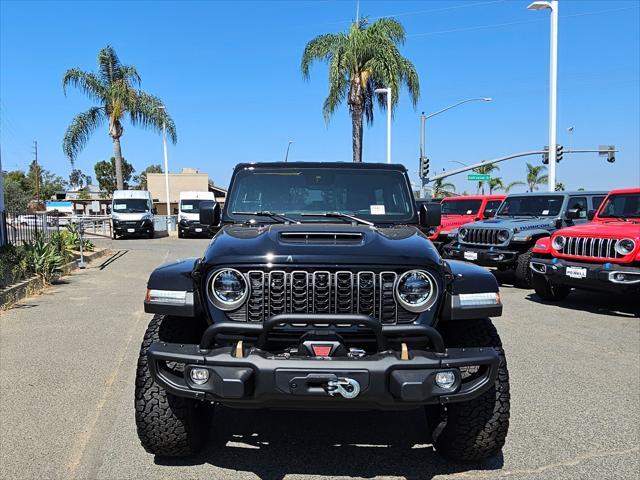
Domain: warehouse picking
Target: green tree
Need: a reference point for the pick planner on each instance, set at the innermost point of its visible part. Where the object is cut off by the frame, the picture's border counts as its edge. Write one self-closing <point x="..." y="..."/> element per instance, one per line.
<point x="113" y="88"/>
<point x="43" y="181"/>
<point x="106" y="174"/>
<point x="485" y="169"/>
<point x="508" y="188"/>
<point x="560" y="187"/>
<point x="17" y="190"/>
<point x="141" y="179"/>
<point x="360" y="61"/>
<point x="495" y="184"/>
<point x="443" y="189"/>
<point x="535" y="176"/>
<point x="79" y="179"/>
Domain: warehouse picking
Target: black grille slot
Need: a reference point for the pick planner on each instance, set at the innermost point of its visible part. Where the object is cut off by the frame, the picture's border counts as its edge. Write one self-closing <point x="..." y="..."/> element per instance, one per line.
<point x="329" y="238"/>
<point x="298" y="291"/>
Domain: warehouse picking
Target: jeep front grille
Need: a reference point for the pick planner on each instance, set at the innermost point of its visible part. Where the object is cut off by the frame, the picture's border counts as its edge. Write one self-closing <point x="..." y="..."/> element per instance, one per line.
<point x="482" y="236"/>
<point x="597" y="248"/>
<point x="322" y="291"/>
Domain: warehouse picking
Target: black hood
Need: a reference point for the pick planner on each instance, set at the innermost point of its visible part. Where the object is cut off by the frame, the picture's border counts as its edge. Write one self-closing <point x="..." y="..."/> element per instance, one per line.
<point x="327" y="244"/>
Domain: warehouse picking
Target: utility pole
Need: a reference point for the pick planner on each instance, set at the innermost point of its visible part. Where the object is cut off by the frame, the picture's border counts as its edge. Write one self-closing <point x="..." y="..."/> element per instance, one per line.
<point x="37" y="170"/>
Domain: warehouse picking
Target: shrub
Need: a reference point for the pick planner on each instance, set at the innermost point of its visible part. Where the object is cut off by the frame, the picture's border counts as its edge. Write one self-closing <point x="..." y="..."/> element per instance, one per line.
<point x="44" y="259"/>
<point x="13" y="265"/>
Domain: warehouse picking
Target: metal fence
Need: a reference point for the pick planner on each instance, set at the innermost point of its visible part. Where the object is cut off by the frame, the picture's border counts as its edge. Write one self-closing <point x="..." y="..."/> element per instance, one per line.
<point x="23" y="227"/>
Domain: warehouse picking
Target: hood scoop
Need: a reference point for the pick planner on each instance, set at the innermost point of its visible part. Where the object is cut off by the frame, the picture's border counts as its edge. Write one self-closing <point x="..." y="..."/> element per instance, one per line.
<point x="322" y="238"/>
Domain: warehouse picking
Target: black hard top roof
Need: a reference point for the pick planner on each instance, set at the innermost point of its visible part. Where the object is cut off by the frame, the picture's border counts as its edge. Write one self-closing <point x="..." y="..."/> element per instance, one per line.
<point x="332" y="165"/>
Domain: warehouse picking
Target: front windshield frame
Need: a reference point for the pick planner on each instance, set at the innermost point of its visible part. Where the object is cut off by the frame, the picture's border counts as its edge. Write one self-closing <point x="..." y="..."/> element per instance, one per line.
<point x="403" y="190"/>
<point x="610" y="198"/>
<point x="475" y="205"/>
<point x="133" y="205"/>
<point x="549" y="213"/>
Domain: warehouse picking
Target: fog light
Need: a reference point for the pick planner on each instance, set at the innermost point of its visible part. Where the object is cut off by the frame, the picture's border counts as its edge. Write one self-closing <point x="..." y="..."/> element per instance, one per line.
<point x="445" y="379"/>
<point x="199" y="376"/>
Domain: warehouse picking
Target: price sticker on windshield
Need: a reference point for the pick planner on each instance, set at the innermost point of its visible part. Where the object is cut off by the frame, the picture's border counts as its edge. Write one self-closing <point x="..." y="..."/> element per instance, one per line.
<point x="545" y="212"/>
<point x="376" y="209"/>
<point x="187" y="207"/>
<point x="120" y="206"/>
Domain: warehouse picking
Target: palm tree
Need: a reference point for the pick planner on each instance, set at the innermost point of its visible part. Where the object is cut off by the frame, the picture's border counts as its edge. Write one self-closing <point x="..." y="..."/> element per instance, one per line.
<point x="508" y="188"/>
<point x="495" y="183"/>
<point x="560" y="187"/>
<point x="535" y="176"/>
<point x="360" y="61"/>
<point x="113" y="88"/>
<point x="442" y="189"/>
<point x="486" y="169"/>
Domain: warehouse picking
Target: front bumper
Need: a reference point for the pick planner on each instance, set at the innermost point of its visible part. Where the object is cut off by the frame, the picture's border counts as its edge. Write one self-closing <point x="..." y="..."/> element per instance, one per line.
<point x="608" y="276"/>
<point x="132" y="228"/>
<point x="193" y="227"/>
<point x="252" y="377"/>
<point x="487" y="257"/>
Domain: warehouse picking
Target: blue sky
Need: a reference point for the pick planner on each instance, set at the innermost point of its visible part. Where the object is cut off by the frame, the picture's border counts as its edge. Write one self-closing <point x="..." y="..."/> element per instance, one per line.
<point x="229" y="75"/>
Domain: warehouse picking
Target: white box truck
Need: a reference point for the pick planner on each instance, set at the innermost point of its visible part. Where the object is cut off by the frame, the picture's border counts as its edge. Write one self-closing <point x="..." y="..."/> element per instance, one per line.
<point x="132" y="213"/>
<point x="189" y="213"/>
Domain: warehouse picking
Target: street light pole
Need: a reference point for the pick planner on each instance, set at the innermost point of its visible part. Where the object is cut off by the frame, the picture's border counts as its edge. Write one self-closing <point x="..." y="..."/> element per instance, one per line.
<point x="387" y="92"/>
<point x="166" y="166"/>
<point x="553" y="85"/>
<point x="286" y="155"/>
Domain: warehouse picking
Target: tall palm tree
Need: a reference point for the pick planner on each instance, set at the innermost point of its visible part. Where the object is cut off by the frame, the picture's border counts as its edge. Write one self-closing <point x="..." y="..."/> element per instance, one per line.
<point x="360" y="61"/>
<point x="486" y="169"/>
<point x="442" y="189"/>
<point x="495" y="183"/>
<point x="113" y="88"/>
<point x="535" y="176"/>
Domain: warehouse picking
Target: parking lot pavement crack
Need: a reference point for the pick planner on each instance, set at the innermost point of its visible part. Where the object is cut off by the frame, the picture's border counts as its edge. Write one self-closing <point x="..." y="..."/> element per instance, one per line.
<point x="552" y="466"/>
<point x="82" y="442"/>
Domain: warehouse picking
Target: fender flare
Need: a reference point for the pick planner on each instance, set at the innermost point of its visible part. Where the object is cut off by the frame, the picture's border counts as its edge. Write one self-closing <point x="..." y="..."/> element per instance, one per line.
<point x="178" y="279"/>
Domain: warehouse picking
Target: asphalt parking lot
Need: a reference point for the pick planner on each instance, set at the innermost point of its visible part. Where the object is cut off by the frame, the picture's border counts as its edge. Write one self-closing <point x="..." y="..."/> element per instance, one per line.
<point x="67" y="362"/>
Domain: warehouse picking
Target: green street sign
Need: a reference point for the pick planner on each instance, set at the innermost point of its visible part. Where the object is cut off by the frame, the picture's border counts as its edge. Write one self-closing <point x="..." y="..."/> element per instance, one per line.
<point x="478" y="177"/>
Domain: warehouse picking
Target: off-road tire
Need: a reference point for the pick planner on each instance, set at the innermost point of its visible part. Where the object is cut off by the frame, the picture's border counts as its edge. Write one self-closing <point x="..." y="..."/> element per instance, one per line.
<point x="523" y="271"/>
<point x="547" y="290"/>
<point x="474" y="430"/>
<point x="168" y="425"/>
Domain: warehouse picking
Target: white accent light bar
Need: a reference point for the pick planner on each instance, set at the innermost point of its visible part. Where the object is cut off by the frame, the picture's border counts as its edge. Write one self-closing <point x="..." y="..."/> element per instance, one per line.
<point x="477" y="299"/>
<point x="167" y="297"/>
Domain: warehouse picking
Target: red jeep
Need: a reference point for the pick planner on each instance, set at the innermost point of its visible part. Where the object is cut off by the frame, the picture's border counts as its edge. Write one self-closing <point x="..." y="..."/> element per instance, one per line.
<point x="601" y="255"/>
<point x="456" y="211"/>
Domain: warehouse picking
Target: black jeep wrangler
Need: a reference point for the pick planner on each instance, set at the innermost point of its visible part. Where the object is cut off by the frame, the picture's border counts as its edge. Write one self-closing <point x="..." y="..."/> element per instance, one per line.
<point x="319" y="291"/>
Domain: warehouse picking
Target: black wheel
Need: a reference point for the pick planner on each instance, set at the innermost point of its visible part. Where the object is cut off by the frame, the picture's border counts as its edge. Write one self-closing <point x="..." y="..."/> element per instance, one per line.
<point x="523" y="271"/>
<point x="180" y="234"/>
<point x="547" y="290"/>
<point x="168" y="425"/>
<point x="151" y="233"/>
<point x="113" y="234"/>
<point x="477" y="429"/>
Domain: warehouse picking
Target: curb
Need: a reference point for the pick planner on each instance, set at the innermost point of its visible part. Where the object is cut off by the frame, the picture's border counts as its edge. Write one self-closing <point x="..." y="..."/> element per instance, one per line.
<point x="34" y="285"/>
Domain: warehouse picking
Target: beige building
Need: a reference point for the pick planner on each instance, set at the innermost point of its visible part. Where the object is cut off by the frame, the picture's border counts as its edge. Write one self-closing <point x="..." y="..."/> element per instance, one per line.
<point x="188" y="180"/>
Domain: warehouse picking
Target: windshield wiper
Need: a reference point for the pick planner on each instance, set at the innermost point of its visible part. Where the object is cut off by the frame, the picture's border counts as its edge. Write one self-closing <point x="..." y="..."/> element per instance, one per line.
<point x="266" y="213"/>
<point x="339" y="215"/>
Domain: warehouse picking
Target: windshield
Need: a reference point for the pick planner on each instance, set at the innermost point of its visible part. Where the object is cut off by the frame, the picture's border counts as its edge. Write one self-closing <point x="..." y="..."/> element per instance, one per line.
<point x="621" y="206"/>
<point x="130" y="205"/>
<point x="461" y="207"/>
<point x="190" y="206"/>
<point x="376" y="195"/>
<point x="531" y="206"/>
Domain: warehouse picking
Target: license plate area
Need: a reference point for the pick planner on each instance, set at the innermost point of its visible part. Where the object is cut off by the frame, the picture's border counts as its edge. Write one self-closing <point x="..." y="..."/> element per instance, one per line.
<point x="576" y="272"/>
<point x="470" y="255"/>
<point x="312" y="382"/>
<point x="198" y="230"/>
<point x="131" y="230"/>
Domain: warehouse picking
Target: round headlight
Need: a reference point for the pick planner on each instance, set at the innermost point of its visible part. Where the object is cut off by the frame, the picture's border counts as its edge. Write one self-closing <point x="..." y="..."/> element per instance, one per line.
<point x="416" y="290"/>
<point x="625" y="246"/>
<point x="462" y="233"/>
<point x="228" y="288"/>
<point x="503" y="235"/>
<point x="558" y="242"/>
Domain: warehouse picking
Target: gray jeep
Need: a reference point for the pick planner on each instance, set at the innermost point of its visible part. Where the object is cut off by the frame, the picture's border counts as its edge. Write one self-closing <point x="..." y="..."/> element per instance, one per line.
<point x="506" y="241"/>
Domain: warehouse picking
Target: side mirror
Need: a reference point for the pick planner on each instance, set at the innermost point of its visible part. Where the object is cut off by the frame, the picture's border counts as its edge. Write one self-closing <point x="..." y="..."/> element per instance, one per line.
<point x="154" y="211"/>
<point x="430" y="214"/>
<point x="489" y="213"/>
<point x="175" y="210"/>
<point x="572" y="214"/>
<point x="591" y="214"/>
<point x="209" y="213"/>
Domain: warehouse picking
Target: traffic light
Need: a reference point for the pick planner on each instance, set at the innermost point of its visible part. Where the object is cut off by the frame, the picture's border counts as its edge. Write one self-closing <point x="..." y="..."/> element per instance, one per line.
<point x="611" y="156"/>
<point x="545" y="156"/>
<point x="609" y="151"/>
<point x="559" y="152"/>
<point x="424" y="167"/>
